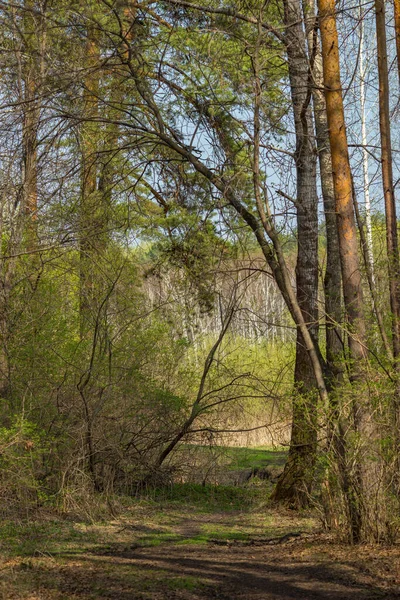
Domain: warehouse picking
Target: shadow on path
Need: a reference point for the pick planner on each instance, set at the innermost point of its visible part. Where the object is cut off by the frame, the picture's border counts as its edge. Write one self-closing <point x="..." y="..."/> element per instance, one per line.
<point x="193" y="572"/>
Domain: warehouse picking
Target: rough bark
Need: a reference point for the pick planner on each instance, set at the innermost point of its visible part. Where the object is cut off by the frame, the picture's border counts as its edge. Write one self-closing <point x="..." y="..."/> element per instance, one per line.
<point x="365" y="485"/>
<point x="294" y="487"/>
<point x="332" y="277"/>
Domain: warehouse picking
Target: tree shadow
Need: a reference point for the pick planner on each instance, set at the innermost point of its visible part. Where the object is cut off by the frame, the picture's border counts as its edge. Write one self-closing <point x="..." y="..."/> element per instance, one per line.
<point x="202" y="572"/>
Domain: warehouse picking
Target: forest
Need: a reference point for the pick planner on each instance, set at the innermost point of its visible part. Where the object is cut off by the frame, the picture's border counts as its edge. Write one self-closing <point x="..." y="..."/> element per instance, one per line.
<point x="199" y="296"/>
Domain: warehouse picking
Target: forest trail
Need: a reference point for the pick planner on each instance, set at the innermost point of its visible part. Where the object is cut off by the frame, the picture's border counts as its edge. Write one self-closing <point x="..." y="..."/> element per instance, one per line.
<point x="172" y="555"/>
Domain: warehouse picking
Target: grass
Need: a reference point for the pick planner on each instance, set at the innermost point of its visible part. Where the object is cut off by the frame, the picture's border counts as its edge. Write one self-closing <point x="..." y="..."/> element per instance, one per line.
<point x="147" y="551"/>
<point x="190" y="515"/>
<point x="35" y="538"/>
<point x="247" y="458"/>
<point x="184" y="583"/>
<point x="37" y="552"/>
<point x="166" y="506"/>
<point x="152" y="520"/>
<point x="237" y="458"/>
<point x="209" y="498"/>
<point x="61" y="558"/>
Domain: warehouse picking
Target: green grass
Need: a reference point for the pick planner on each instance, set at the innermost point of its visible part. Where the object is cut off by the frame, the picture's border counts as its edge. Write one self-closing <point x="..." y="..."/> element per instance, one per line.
<point x="163" y="508"/>
<point x="237" y="458"/>
<point x="248" y="458"/>
<point x="184" y="583"/>
<point x="35" y="538"/>
<point x="208" y="498"/>
<point x="99" y="559"/>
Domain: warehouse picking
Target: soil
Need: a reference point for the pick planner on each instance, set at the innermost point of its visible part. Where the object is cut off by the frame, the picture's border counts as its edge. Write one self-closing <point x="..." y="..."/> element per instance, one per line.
<point x="290" y="564"/>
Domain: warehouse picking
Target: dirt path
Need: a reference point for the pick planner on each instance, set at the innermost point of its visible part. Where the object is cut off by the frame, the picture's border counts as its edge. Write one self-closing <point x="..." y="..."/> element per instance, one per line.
<point x="298" y="569"/>
<point x="179" y="557"/>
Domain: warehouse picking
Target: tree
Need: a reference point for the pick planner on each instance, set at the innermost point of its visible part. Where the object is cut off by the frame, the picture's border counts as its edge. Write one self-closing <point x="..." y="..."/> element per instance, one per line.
<point x="363" y="489"/>
<point x="294" y="487"/>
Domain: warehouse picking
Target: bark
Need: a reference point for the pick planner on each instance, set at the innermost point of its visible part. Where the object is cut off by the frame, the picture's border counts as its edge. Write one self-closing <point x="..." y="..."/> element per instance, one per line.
<point x="365" y="484"/>
<point x="332" y="278"/>
<point x="294" y="487"/>
<point x="397" y="29"/>
<point x="387" y="177"/>
<point x="392" y="245"/>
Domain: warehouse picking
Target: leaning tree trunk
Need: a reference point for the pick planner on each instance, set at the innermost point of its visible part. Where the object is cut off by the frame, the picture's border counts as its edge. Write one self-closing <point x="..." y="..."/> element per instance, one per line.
<point x="294" y="486"/>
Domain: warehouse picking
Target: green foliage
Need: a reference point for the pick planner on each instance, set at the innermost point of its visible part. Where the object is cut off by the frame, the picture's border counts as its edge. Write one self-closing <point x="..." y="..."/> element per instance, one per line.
<point x="23" y="456"/>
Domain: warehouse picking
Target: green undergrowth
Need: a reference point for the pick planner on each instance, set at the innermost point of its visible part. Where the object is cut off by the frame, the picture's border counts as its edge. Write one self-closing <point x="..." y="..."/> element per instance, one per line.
<point x="209" y="498"/>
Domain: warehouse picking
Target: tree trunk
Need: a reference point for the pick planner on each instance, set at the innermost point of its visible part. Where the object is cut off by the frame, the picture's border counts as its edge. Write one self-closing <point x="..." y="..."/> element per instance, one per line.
<point x="332" y="278"/>
<point x="387" y="177"/>
<point x="294" y="487"/>
<point x="365" y="484"/>
<point x="397" y="29"/>
<point x="390" y="209"/>
<point x="24" y="231"/>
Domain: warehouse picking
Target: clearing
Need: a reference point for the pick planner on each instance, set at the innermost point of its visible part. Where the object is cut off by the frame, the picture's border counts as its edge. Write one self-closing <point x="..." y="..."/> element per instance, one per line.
<point x="189" y="542"/>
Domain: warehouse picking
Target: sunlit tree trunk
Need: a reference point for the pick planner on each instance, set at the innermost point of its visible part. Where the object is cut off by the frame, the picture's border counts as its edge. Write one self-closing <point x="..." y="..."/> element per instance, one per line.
<point x="365" y="485"/>
<point x="397" y="29"/>
<point x="332" y="278"/>
<point x="387" y="177"/>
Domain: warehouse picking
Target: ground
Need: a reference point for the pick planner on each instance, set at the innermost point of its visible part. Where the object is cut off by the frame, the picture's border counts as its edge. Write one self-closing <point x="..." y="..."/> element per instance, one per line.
<point x="189" y="542"/>
<point x="196" y="543"/>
